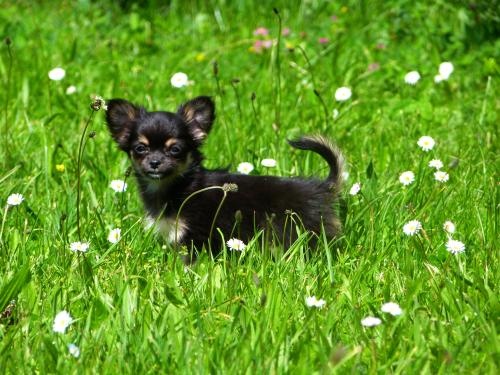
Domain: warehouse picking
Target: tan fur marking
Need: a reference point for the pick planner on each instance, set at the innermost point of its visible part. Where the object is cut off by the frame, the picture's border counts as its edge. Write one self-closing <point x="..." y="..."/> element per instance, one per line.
<point x="170" y="142"/>
<point x="189" y="113"/>
<point x="143" y="140"/>
<point x="131" y="113"/>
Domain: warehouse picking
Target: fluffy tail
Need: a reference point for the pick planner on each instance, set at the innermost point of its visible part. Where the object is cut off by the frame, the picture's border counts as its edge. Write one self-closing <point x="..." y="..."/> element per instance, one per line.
<point x="329" y="152"/>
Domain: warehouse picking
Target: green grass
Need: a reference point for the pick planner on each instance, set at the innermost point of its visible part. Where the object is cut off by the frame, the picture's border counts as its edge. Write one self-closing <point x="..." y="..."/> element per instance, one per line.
<point x="136" y="307"/>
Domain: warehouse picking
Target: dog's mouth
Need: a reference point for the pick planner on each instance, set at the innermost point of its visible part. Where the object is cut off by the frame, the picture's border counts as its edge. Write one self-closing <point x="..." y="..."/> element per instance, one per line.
<point x="155" y="175"/>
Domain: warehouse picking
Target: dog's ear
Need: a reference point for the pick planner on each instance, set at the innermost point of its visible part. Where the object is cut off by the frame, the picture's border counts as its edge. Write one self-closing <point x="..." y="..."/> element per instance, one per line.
<point x="199" y="115"/>
<point x="122" y="117"/>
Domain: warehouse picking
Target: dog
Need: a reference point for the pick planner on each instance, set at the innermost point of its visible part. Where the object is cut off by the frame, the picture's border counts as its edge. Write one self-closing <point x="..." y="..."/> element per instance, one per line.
<point x="181" y="197"/>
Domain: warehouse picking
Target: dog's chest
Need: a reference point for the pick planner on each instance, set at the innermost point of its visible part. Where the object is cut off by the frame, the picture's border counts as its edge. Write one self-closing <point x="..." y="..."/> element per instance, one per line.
<point x="169" y="228"/>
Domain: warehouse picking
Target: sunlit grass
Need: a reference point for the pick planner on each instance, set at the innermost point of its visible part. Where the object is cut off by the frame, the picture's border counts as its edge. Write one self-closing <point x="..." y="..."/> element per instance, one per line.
<point x="136" y="306"/>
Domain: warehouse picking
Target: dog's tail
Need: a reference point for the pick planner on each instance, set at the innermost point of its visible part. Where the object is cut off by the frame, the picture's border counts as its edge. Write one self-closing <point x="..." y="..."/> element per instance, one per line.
<point x="329" y="152"/>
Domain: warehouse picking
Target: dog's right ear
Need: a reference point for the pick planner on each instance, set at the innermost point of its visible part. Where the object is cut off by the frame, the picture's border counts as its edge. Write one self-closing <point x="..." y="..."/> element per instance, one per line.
<point x="122" y="117"/>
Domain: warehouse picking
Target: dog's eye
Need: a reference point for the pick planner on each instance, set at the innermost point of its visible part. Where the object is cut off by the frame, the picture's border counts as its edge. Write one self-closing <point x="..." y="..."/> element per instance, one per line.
<point x="175" y="150"/>
<point x="140" y="149"/>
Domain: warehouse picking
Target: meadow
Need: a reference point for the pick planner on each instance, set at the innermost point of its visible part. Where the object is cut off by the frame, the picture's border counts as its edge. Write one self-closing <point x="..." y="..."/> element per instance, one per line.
<point x="132" y="305"/>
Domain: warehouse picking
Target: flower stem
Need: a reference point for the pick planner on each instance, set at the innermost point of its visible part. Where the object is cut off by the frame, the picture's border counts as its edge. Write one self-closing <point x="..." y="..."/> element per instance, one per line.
<point x="6" y="103"/>
<point x="81" y="147"/>
<point x="3" y="221"/>
<point x="277" y="113"/>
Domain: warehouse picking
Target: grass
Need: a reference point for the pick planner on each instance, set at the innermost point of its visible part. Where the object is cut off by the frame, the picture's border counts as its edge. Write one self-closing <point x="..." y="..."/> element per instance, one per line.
<point x="136" y="307"/>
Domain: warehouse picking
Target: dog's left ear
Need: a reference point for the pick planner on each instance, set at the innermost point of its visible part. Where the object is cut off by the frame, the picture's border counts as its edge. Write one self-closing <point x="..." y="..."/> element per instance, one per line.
<point x="199" y="115"/>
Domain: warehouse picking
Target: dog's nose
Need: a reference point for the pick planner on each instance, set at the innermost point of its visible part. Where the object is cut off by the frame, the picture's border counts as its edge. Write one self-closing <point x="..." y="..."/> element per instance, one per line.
<point x="154" y="164"/>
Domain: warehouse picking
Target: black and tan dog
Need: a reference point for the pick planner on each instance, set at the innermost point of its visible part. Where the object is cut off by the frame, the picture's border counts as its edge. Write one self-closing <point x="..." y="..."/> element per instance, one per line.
<point x="165" y="151"/>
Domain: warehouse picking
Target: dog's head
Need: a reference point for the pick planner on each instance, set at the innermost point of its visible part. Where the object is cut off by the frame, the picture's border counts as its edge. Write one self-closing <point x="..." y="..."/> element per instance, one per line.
<point x="161" y="144"/>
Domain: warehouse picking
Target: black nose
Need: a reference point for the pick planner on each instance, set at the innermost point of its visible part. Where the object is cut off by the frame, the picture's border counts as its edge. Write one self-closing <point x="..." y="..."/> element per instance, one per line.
<point x="154" y="164"/>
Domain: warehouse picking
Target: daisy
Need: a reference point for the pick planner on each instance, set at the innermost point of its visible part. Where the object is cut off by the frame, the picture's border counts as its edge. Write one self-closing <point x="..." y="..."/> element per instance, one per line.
<point x="445" y="69"/>
<point x="62" y="321"/>
<point x="179" y="80"/>
<point x="370" y="321"/>
<point x="70" y="90"/>
<point x="323" y="40"/>
<point x="15" y="199"/>
<point x="412" y="77"/>
<point x="391" y="308"/>
<point x="449" y="227"/>
<point x="412" y="227"/>
<point x="57" y="74"/>
<point x="355" y="188"/>
<point x="270" y="163"/>
<point x="114" y="235"/>
<point x="436" y="163"/>
<point x="79" y="246"/>
<point x="342" y="94"/>
<point x="245" y="167"/>
<point x="345" y="175"/>
<point x="118" y="185"/>
<point x="235" y="244"/>
<point x="426" y="143"/>
<point x="441" y="176"/>
<point x="406" y="178"/>
<point x="455" y="247"/>
<point x="74" y="350"/>
<point x="314" y="302"/>
<point x="335" y="113"/>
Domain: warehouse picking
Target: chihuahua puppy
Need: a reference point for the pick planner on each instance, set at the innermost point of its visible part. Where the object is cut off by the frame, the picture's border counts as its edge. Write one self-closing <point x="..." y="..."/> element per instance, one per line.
<point x="164" y="148"/>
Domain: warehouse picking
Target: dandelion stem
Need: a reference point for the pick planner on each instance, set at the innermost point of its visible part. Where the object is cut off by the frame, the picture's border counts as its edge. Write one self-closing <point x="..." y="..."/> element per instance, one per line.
<point x="81" y="147"/>
<point x="186" y="200"/>
<point x="215" y="216"/>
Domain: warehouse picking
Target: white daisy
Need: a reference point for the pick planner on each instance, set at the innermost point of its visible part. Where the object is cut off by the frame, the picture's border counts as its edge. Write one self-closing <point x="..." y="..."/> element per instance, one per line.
<point x="436" y="163"/>
<point x="345" y="175"/>
<point x="15" y="199"/>
<point x="445" y="69"/>
<point x="370" y="321"/>
<point x="179" y="80"/>
<point x="270" y="163"/>
<point x="235" y="244"/>
<point x="118" y="185"/>
<point x="391" y="308"/>
<point x="57" y="74"/>
<point x="406" y="178"/>
<point x="314" y="302"/>
<point x="335" y="113"/>
<point x="79" y="246"/>
<point x="74" y="350"/>
<point x="70" y="90"/>
<point x="342" y="94"/>
<point x="62" y="321"/>
<point x="355" y="188"/>
<point x="114" y="235"/>
<point x="426" y="143"/>
<point x="412" y="227"/>
<point x="245" y="167"/>
<point x="449" y="227"/>
<point x="441" y="176"/>
<point x="412" y="77"/>
<point x="455" y="247"/>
